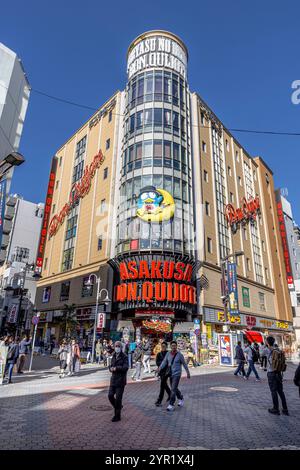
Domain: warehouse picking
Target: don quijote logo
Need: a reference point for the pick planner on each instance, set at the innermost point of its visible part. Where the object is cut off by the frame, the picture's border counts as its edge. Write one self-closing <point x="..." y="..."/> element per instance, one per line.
<point x="155" y="281"/>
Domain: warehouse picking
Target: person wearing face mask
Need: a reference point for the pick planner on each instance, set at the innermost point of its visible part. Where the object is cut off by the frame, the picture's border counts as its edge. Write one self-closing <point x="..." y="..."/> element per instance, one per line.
<point x="118" y="368"/>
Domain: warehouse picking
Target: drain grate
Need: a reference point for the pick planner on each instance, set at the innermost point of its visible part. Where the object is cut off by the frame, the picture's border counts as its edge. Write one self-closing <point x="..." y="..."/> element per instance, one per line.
<point x="101" y="408"/>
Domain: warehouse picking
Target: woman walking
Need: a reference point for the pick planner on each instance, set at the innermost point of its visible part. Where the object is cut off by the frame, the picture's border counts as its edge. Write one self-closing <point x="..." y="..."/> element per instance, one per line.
<point x="75" y="356"/>
<point x="63" y="355"/>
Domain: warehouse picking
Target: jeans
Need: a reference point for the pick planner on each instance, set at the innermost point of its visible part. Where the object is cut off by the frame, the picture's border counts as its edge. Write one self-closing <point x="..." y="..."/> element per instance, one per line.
<point x="146" y="363"/>
<point x="275" y="384"/>
<point x="251" y="368"/>
<point x="22" y="359"/>
<point x="130" y="360"/>
<point x="163" y="387"/>
<point x="175" y="392"/>
<point x="115" y="395"/>
<point x="240" y="368"/>
<point x="9" y="368"/>
<point x="263" y="362"/>
<point x="138" y="371"/>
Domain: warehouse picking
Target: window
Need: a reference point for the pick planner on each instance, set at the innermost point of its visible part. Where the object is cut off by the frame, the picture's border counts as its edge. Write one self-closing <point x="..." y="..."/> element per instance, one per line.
<point x="60" y="160"/>
<point x="103" y="206"/>
<point x="267" y="273"/>
<point x="297" y="266"/>
<point x="107" y="144"/>
<point x="100" y="243"/>
<point x="87" y="290"/>
<point x="298" y="300"/>
<point x="248" y="264"/>
<point x="56" y="185"/>
<point x="203" y="146"/>
<point x="237" y="156"/>
<point x="254" y="175"/>
<point x="109" y="116"/>
<point x="209" y="245"/>
<point x="80" y="149"/>
<point x="245" y="236"/>
<point x="263" y="245"/>
<point x="231" y="197"/>
<point x="53" y="208"/>
<point x="202" y="119"/>
<point x="262" y="304"/>
<point x="240" y="180"/>
<point x="77" y="171"/>
<point x="227" y="145"/>
<point x="207" y="208"/>
<point x="20" y="254"/>
<point x="46" y="295"/>
<point x="205" y="176"/>
<point x="229" y="171"/>
<point x="64" y="290"/>
<point x="105" y="173"/>
<point x="294" y="252"/>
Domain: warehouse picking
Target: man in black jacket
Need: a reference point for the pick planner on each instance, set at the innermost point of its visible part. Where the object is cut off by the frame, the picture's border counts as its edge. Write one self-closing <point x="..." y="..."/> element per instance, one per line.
<point x="118" y="368"/>
<point x="240" y="359"/>
<point x="163" y="378"/>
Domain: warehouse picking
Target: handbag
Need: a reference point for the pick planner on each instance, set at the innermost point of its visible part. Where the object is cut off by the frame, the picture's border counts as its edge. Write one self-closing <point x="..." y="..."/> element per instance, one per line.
<point x="169" y="368"/>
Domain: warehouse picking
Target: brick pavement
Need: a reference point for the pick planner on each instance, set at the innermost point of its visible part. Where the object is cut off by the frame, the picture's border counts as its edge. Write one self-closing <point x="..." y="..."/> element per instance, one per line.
<point x="39" y="411"/>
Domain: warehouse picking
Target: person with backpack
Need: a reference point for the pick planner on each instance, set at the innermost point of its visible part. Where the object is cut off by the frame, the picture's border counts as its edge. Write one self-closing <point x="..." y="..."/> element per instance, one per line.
<point x="11" y="358"/>
<point x="276" y="367"/>
<point x="252" y="358"/>
<point x="240" y="359"/>
<point x="297" y="378"/>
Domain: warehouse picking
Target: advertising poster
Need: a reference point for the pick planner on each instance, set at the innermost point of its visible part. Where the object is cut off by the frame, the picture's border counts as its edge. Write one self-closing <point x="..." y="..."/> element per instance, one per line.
<point x="3" y="355"/>
<point x="232" y="288"/>
<point x="225" y="350"/>
<point x="2" y="206"/>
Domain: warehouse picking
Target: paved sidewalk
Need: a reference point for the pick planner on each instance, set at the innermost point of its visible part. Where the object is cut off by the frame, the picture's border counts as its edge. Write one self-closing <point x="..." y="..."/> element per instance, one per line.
<point x="41" y="411"/>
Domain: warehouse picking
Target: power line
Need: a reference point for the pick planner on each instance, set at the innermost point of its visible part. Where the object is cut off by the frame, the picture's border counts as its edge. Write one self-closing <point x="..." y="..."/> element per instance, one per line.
<point x="62" y="100"/>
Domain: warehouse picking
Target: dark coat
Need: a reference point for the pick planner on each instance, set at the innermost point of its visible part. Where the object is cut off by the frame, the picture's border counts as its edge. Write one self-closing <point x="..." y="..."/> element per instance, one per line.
<point x="160" y="357"/>
<point x="118" y="378"/>
<point x="239" y="353"/>
<point x="12" y="353"/>
<point x="147" y="348"/>
<point x="297" y="378"/>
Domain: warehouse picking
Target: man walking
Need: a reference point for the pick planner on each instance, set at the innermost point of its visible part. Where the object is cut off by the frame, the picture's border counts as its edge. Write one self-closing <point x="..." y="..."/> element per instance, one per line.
<point x="276" y="366"/>
<point x="23" y="351"/>
<point x="174" y="361"/>
<point x="240" y="359"/>
<point x="162" y="374"/>
<point x="12" y="357"/>
<point x="251" y="357"/>
<point x="118" y="368"/>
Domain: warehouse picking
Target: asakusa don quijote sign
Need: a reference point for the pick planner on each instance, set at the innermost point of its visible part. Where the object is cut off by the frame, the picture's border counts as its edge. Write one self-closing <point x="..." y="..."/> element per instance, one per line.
<point x="157" y="51"/>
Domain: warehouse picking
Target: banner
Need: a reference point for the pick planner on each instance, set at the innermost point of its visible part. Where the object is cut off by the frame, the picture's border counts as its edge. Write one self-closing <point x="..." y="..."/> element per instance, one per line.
<point x="3" y="356"/>
<point x="233" y="306"/>
<point x="2" y="206"/>
<point x="225" y="350"/>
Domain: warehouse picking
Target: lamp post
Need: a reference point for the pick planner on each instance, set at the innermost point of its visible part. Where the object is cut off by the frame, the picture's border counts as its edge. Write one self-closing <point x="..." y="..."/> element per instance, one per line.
<point x="105" y="301"/>
<point x="13" y="159"/>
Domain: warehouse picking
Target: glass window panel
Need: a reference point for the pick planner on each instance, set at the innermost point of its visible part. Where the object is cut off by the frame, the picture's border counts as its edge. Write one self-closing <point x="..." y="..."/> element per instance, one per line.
<point x="158" y="181"/>
<point x="139" y="150"/>
<point x="157" y="117"/>
<point x="148" y="117"/>
<point x="177" y="192"/>
<point x="139" y="119"/>
<point x="146" y="180"/>
<point x="168" y="184"/>
<point x="176" y="151"/>
<point x="148" y="148"/>
<point x="167" y="149"/>
<point x="157" y="148"/>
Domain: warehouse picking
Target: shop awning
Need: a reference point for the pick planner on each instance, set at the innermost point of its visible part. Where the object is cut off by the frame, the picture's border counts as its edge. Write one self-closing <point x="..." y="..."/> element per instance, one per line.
<point x="183" y="327"/>
<point x="125" y="324"/>
<point x="254" y="336"/>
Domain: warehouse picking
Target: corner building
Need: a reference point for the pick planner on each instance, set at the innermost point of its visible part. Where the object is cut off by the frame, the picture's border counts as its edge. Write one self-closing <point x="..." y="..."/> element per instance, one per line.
<point x="155" y="217"/>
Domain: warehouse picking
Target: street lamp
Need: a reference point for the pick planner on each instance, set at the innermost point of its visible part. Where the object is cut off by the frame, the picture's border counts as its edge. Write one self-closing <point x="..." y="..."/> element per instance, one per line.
<point x="13" y="159"/>
<point x="105" y="301"/>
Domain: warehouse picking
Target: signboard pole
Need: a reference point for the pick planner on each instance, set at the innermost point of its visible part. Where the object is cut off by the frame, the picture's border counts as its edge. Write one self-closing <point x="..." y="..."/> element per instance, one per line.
<point x="33" y="342"/>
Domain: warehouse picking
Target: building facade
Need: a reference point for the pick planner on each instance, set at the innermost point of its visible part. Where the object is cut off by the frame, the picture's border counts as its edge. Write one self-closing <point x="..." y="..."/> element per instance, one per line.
<point x="152" y="194"/>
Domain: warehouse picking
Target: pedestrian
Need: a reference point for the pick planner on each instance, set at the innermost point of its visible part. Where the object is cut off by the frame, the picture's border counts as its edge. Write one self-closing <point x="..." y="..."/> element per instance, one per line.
<point x="276" y="367"/>
<point x="174" y="361"/>
<point x="252" y="357"/>
<point x="52" y="345"/>
<point x="11" y="358"/>
<point x="105" y="353"/>
<point x="147" y="355"/>
<point x="297" y="378"/>
<point x="164" y="387"/>
<point x="63" y="355"/>
<point x="75" y="354"/>
<point x="23" y="352"/>
<point x="99" y="351"/>
<point x="137" y="358"/>
<point x="118" y="368"/>
<point x="191" y="355"/>
<point x="240" y="359"/>
<point x="110" y="351"/>
<point x="263" y="354"/>
<point x="69" y="358"/>
<point x="132" y="346"/>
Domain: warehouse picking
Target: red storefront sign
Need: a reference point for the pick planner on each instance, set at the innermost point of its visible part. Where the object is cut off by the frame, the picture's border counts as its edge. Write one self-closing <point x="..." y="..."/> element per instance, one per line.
<point x="247" y="211"/>
<point x="155" y="286"/>
<point x="251" y="321"/>
<point x="79" y="190"/>
<point x="47" y="211"/>
<point x="285" y="247"/>
<point x="141" y="312"/>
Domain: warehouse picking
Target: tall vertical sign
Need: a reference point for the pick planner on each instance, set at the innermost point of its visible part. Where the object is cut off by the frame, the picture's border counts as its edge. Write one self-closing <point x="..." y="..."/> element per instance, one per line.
<point x="284" y="241"/>
<point x="233" y="305"/>
<point x="47" y="212"/>
<point x="2" y="207"/>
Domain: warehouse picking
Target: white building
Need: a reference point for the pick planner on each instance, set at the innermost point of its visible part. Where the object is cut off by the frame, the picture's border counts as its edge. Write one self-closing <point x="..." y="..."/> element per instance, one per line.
<point x="21" y="231"/>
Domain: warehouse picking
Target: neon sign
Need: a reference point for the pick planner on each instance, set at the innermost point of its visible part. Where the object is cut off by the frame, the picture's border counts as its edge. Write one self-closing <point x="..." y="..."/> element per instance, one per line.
<point x="286" y="254"/>
<point x="79" y="190"/>
<point x="247" y="212"/>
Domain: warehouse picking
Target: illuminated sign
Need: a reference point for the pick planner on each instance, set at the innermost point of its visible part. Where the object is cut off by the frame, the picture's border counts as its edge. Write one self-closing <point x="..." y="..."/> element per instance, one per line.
<point x="155" y="281"/>
<point x="285" y="247"/>
<point x="141" y="312"/>
<point x="157" y="51"/>
<point x="155" y="205"/>
<point x="79" y="190"/>
<point x="46" y="218"/>
<point x="234" y="319"/>
<point x="157" y="325"/>
<point x="251" y="321"/>
<point x="247" y="212"/>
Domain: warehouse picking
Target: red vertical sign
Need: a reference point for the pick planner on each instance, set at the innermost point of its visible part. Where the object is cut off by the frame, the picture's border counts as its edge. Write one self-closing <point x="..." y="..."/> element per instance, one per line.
<point x="285" y="247"/>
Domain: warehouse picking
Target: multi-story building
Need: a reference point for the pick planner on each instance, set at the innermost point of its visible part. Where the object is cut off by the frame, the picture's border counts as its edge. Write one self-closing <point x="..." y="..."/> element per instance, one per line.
<point x="153" y="193"/>
<point x="21" y="233"/>
<point x="290" y="244"/>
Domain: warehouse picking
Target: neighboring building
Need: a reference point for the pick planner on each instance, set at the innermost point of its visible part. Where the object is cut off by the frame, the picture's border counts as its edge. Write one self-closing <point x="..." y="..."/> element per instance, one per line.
<point x="156" y="212"/>
<point x="22" y="227"/>
<point x="290" y="243"/>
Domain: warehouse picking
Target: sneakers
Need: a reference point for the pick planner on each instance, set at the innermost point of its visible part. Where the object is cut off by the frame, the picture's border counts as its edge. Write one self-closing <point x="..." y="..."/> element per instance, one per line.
<point x="273" y="411"/>
<point x="285" y="412"/>
<point x="170" y="408"/>
<point x="257" y="380"/>
<point x="245" y="377"/>
<point x="158" y="403"/>
<point x="181" y="402"/>
<point x="138" y="380"/>
<point x="116" y="418"/>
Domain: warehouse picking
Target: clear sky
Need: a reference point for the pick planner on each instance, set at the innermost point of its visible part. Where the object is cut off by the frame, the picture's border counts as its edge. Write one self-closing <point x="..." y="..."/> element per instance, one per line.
<point x="243" y="58"/>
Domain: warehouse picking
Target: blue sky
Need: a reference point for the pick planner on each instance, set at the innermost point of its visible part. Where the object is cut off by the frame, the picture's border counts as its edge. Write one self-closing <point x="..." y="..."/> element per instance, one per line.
<point x="243" y="57"/>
